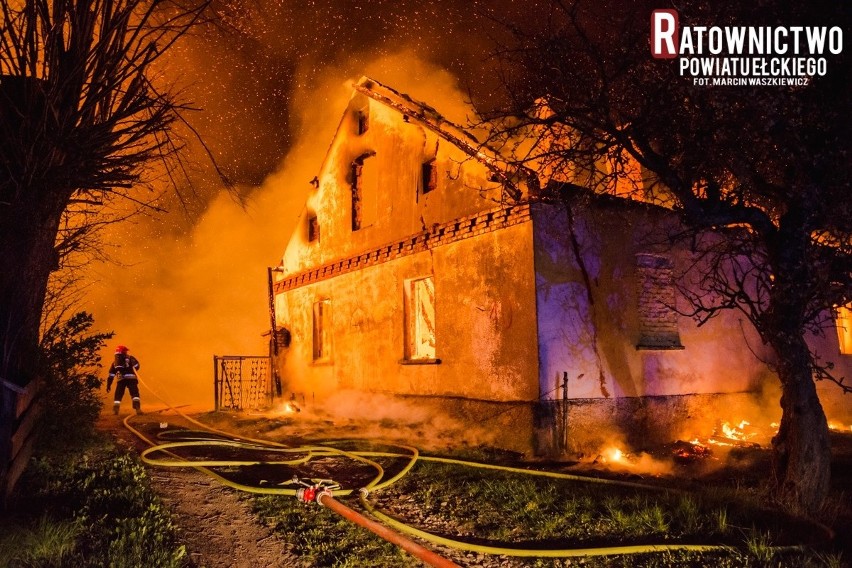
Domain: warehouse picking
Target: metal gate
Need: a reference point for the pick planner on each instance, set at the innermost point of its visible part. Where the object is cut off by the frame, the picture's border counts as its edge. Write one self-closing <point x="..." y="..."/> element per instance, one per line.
<point x="242" y="382"/>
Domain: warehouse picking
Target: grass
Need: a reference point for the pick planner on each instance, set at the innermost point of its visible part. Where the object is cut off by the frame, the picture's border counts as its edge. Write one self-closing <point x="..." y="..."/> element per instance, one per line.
<point x="40" y="542"/>
<point x="322" y="538"/>
<point x="94" y="508"/>
<point x="511" y="510"/>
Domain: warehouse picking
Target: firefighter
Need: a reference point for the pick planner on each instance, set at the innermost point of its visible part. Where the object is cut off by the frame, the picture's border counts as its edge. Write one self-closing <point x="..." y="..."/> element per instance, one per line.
<point x="123" y="370"/>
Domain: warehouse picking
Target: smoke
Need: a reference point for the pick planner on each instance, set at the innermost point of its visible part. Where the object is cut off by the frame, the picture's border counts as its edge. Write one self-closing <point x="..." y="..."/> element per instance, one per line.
<point x="376" y="416"/>
<point x="179" y="298"/>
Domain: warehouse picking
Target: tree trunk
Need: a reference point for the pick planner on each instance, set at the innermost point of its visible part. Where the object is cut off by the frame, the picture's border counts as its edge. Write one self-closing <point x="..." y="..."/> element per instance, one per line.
<point x="28" y="233"/>
<point x="802" y="455"/>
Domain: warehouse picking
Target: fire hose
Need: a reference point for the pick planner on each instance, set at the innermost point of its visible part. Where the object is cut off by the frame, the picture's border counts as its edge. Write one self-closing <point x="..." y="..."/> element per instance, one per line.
<point x="319" y="491"/>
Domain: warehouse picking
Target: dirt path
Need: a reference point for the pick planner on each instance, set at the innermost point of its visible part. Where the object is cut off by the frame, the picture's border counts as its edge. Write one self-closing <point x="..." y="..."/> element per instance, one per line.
<point x="215" y="523"/>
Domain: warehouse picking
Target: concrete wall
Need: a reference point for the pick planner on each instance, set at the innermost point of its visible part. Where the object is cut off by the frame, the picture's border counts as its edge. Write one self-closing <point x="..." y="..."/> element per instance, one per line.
<point x="836" y="404"/>
<point x="590" y="325"/>
<point x="479" y="255"/>
<point x="485" y="330"/>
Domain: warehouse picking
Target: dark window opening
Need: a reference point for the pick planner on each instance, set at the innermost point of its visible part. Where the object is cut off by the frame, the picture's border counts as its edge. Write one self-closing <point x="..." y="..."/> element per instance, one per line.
<point x="357" y="193"/>
<point x="363" y="117"/>
<point x="429" y="173"/>
<point x="313" y="228"/>
<point x="363" y="193"/>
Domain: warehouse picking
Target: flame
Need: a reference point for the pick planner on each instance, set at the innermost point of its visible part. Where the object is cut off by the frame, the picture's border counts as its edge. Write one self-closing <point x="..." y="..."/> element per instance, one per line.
<point x="837" y="427"/>
<point x="613" y="455"/>
<point x="736" y="432"/>
<point x="286" y="408"/>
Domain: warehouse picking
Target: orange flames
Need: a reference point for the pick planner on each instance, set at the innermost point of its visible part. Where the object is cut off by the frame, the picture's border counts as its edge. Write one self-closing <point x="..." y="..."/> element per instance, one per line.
<point x="612" y="455"/>
<point x="288" y="407"/>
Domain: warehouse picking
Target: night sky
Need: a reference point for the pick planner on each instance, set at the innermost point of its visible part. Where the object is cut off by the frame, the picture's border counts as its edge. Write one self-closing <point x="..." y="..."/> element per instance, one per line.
<point x="243" y="68"/>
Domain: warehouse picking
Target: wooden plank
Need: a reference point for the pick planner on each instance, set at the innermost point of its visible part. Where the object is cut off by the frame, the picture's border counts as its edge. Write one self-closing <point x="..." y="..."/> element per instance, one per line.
<point x="25" y="428"/>
<point x="26" y="398"/>
<point x="16" y="468"/>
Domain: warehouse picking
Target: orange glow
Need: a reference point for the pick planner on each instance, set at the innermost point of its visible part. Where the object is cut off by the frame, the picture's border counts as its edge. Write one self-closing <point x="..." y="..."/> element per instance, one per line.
<point x="735" y="432"/>
<point x="613" y="455"/>
<point x="288" y="407"/>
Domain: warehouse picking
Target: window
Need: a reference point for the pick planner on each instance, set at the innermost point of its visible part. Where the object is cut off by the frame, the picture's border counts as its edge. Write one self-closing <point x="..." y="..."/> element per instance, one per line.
<point x="363" y="120"/>
<point x="313" y="228"/>
<point x="843" y="321"/>
<point x="657" y="315"/>
<point x="429" y="176"/>
<point x="322" y="330"/>
<point x="420" y="319"/>
<point x="364" y="185"/>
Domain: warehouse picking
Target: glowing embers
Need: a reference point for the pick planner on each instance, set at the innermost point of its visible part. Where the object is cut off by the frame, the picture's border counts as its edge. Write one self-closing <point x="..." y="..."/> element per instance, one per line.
<point x="690" y="452"/>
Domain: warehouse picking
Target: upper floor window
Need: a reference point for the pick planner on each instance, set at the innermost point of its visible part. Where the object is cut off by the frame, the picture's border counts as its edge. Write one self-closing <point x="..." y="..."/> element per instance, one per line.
<point x="657" y="316"/>
<point x="429" y="176"/>
<point x="362" y="118"/>
<point x="363" y="179"/>
<point x="313" y="228"/>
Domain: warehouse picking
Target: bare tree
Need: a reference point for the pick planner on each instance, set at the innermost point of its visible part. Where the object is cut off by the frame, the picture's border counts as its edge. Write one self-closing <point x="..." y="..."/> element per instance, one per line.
<point x="759" y="176"/>
<point x="82" y="118"/>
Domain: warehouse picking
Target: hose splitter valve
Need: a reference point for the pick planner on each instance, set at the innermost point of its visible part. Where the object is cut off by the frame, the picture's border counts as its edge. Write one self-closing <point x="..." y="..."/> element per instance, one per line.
<point x="311" y="492"/>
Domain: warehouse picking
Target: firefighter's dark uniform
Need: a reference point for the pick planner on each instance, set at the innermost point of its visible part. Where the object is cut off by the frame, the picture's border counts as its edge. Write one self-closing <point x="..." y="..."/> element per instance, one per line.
<point x="123" y="370"/>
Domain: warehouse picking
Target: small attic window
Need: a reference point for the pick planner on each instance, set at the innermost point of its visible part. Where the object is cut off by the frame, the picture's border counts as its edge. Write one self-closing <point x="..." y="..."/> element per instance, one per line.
<point x="363" y="120"/>
<point x="429" y="173"/>
<point x="313" y="229"/>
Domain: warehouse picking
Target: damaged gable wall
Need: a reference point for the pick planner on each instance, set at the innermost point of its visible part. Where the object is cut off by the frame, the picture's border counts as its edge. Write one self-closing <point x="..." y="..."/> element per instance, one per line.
<point x="477" y="253"/>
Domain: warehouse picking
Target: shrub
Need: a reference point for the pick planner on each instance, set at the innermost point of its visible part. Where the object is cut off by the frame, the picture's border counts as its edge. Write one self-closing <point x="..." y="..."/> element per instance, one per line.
<point x="70" y="399"/>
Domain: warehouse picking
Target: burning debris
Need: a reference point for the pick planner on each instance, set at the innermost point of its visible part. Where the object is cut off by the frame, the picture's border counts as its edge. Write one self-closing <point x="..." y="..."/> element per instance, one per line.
<point x="690" y="452"/>
<point x="741" y="435"/>
<point x="617" y="459"/>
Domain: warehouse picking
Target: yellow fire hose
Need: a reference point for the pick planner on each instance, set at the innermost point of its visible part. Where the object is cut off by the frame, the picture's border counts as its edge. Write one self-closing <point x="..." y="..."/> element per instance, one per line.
<point x="309" y="452"/>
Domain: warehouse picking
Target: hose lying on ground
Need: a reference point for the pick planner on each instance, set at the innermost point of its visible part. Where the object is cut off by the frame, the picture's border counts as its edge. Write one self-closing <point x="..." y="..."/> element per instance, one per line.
<point x="304" y="454"/>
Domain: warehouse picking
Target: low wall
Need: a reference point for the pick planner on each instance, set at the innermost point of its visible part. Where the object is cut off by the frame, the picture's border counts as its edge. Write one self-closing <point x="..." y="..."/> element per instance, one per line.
<point x="577" y="427"/>
<point x="568" y="429"/>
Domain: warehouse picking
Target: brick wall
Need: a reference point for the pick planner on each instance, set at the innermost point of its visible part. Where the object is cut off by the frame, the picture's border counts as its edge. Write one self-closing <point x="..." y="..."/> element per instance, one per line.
<point x="656" y="295"/>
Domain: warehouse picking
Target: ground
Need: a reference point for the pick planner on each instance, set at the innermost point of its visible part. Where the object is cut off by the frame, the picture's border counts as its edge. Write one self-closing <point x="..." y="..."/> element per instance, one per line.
<point x="219" y="529"/>
<point x="215" y="522"/>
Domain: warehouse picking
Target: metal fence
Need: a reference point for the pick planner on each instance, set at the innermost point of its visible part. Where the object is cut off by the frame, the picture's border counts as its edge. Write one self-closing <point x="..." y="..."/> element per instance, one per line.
<point x="242" y="382"/>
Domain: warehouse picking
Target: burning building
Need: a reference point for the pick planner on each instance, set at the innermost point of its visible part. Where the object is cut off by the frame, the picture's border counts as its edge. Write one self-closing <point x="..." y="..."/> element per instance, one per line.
<point x="413" y="274"/>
